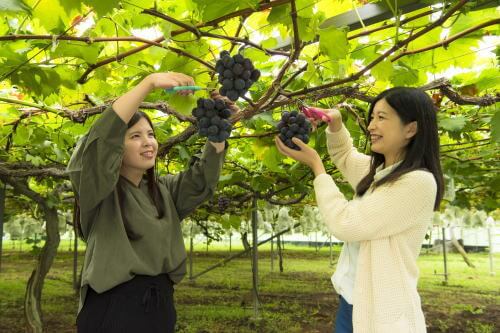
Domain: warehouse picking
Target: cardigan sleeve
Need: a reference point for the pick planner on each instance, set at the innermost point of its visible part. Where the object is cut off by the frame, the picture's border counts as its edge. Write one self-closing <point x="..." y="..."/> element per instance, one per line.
<point x="388" y="210"/>
<point x="351" y="163"/>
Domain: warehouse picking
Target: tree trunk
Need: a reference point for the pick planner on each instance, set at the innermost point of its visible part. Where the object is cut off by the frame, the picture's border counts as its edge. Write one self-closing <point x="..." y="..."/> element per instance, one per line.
<point x="316" y="241"/>
<point x="460" y="249"/>
<point x="76" y="280"/>
<point x="272" y="253"/>
<point x="70" y="248"/>
<point x="280" y="253"/>
<point x="331" y="252"/>
<point x="244" y="240"/>
<point x="32" y="301"/>
<point x="430" y="241"/>
<point x="206" y="226"/>
<point x="255" y="260"/>
<point x="191" y="245"/>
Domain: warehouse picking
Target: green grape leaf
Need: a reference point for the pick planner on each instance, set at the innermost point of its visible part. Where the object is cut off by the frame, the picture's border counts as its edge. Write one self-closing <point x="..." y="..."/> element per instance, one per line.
<point x="465" y="21"/>
<point x="404" y="75"/>
<point x="182" y="104"/>
<point x="452" y="124"/>
<point x="261" y="182"/>
<point x="14" y="6"/>
<point x="382" y="70"/>
<point x="52" y="15"/>
<point x="214" y="9"/>
<point x="333" y="42"/>
<point x="231" y="178"/>
<point x="488" y="79"/>
<point x="89" y="53"/>
<point x="102" y="7"/>
<point x="280" y="15"/>
<point x="272" y="159"/>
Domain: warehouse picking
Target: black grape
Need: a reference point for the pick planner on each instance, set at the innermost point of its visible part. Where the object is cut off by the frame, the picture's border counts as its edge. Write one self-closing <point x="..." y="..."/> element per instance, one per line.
<point x="232" y="95"/>
<point x="255" y="75"/>
<point x="239" y="84"/>
<point x="227" y="84"/>
<point x="238" y="69"/>
<point x="213" y="130"/>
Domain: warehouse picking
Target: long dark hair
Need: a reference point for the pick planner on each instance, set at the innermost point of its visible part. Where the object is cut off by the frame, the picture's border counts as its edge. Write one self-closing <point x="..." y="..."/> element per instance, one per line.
<point x="422" y="152"/>
<point x="153" y="189"/>
<point x="152" y="181"/>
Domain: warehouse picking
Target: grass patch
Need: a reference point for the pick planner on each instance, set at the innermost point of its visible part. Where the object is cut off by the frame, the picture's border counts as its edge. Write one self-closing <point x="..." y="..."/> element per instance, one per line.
<point x="301" y="299"/>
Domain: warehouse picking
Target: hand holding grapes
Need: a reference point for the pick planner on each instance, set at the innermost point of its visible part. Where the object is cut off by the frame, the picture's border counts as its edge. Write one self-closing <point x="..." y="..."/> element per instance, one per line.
<point x="305" y="155"/>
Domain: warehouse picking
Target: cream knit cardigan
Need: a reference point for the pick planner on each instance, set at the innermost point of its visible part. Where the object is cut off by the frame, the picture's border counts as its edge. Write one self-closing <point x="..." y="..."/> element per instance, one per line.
<point x="390" y="223"/>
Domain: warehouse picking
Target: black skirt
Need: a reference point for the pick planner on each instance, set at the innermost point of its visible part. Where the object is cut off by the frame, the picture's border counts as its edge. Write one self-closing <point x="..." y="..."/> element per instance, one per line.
<point x="143" y="304"/>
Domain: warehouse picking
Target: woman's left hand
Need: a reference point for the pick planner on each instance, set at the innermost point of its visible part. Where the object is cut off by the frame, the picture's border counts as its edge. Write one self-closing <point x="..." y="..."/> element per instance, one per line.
<point x="219" y="146"/>
<point x="305" y="155"/>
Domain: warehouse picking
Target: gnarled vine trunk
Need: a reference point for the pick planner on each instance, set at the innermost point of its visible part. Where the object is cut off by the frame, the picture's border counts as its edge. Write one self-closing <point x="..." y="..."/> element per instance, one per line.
<point x="33" y="296"/>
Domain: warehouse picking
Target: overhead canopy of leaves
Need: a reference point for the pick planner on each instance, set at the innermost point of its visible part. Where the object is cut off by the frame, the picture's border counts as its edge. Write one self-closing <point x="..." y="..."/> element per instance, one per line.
<point x="61" y="58"/>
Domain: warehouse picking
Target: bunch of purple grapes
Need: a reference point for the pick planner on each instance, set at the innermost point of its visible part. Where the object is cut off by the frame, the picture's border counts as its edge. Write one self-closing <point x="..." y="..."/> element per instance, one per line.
<point x="223" y="203"/>
<point x="294" y="124"/>
<point x="212" y="119"/>
<point x="236" y="75"/>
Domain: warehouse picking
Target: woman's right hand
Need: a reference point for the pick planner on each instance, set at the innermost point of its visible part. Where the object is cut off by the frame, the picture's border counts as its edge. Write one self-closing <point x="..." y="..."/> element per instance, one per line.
<point x="335" y="122"/>
<point x="169" y="80"/>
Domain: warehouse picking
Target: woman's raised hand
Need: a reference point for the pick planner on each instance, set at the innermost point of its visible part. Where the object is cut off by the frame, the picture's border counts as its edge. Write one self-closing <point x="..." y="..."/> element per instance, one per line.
<point x="332" y="117"/>
<point x="169" y="80"/>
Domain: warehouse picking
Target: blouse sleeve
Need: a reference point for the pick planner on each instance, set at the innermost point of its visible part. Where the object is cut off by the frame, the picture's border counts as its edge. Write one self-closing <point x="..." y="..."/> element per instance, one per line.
<point x="94" y="167"/>
<point x="198" y="183"/>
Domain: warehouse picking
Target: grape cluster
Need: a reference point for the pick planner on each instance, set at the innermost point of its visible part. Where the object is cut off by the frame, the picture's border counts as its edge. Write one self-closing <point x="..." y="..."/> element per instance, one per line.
<point x="236" y="75"/>
<point x="223" y="203"/>
<point x="294" y="124"/>
<point x="211" y="116"/>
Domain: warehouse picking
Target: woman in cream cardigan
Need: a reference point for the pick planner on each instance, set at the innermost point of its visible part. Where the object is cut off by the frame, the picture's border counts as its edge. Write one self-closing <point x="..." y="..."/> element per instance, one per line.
<point x="397" y="189"/>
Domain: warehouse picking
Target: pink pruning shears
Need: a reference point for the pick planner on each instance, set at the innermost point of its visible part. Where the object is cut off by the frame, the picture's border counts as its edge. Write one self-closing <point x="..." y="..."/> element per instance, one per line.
<point x="312" y="112"/>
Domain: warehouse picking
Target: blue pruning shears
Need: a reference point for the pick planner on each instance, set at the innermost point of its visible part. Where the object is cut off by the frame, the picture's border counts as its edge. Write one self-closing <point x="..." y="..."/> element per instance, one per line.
<point x="194" y="88"/>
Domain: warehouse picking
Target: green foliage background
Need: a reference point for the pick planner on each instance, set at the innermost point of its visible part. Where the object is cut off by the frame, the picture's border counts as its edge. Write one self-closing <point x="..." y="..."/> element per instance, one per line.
<point x="46" y="79"/>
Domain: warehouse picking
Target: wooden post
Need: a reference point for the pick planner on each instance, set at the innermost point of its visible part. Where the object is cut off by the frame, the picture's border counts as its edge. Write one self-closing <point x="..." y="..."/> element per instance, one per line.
<point x="489" y="226"/>
<point x="255" y="259"/>
<point x="191" y="257"/>
<point x="444" y="257"/>
<point x="331" y="252"/>
<point x="272" y="253"/>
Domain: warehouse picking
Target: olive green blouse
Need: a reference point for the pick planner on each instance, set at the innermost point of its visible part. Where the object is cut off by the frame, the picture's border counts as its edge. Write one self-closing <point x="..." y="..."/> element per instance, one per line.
<point x="111" y="257"/>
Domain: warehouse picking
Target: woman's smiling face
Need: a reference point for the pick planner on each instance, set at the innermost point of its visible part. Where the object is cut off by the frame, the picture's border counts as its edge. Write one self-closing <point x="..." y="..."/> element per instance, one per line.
<point x="388" y="135"/>
<point x="141" y="147"/>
